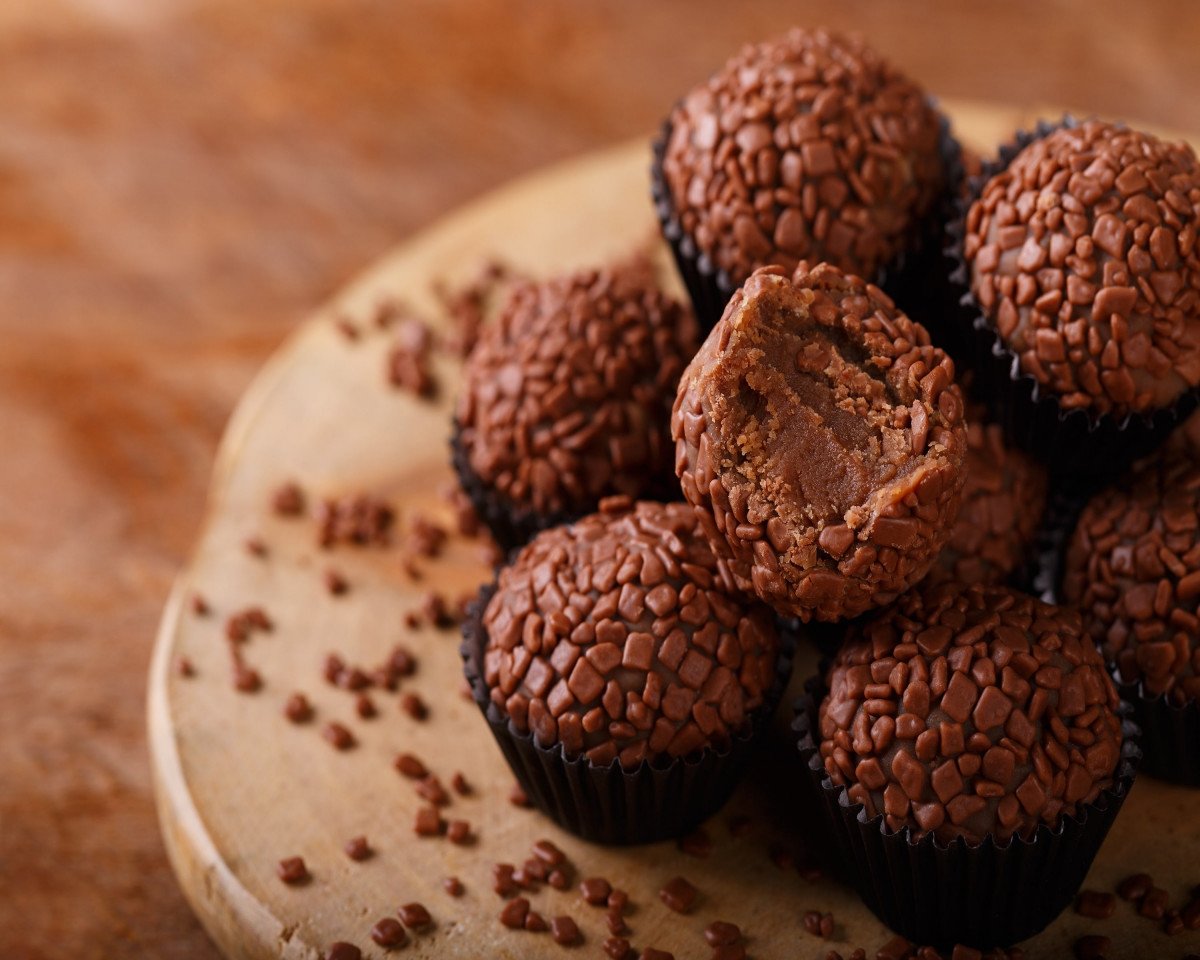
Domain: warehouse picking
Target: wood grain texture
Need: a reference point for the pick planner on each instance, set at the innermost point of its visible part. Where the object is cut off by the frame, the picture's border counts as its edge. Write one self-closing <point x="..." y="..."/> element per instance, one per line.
<point x="180" y="180"/>
<point x="239" y="788"/>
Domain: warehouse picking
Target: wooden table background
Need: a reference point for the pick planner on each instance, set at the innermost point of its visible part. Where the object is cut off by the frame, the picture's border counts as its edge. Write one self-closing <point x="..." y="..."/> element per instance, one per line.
<point x="180" y="181"/>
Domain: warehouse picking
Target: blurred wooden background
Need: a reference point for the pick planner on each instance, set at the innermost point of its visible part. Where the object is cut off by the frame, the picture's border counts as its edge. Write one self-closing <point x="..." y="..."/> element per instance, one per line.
<point x="180" y="180"/>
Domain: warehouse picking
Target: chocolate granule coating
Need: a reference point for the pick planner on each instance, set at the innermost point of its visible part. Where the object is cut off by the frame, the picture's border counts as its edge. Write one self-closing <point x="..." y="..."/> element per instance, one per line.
<point x="1133" y="569"/>
<point x="1003" y="500"/>
<point x="616" y="638"/>
<point x="808" y="147"/>
<point x="967" y="710"/>
<point x="1083" y="254"/>
<point x="566" y="397"/>
<point x="820" y="435"/>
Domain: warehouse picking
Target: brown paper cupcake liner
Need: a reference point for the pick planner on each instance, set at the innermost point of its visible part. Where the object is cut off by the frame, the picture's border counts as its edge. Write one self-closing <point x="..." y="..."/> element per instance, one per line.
<point x="986" y="896"/>
<point x="1075" y="445"/>
<point x="607" y="804"/>
<point x="915" y="279"/>
<point x="1170" y="734"/>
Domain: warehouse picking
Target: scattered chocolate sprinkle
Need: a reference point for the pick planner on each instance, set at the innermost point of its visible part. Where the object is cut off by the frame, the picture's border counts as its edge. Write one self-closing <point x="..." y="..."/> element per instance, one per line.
<point x="343" y="951"/>
<point x="297" y="708"/>
<point x="338" y="736"/>
<point x="535" y="922"/>
<point x="333" y="668"/>
<point x="425" y="538"/>
<point x="1096" y="905"/>
<point x="411" y="767"/>
<point x="409" y="361"/>
<point x="466" y="518"/>
<point x="347" y="329"/>
<point x="1154" y="904"/>
<point x="808" y="514"/>
<point x="819" y="924"/>
<point x="428" y="822"/>
<point x="335" y="583"/>
<point x="414" y="706"/>
<point x="651" y="954"/>
<point x="740" y="826"/>
<point x="595" y="890"/>
<point x="678" y="894"/>
<point x="453" y="886"/>
<point x="288" y="500"/>
<point x="255" y="547"/>
<point x="733" y="951"/>
<point x="185" y="667"/>
<point x="618" y="901"/>
<point x="618" y="948"/>
<point x="513" y="913"/>
<point x="546" y="851"/>
<point x="246" y="679"/>
<point x="364" y="706"/>
<point x="199" y="605"/>
<point x="357" y="848"/>
<point x="1190" y="914"/>
<point x="517" y="797"/>
<point x="1172" y="923"/>
<point x="1135" y="887"/>
<point x="459" y="832"/>
<point x="616" y="923"/>
<point x="781" y="856"/>
<point x="293" y="871"/>
<point x="459" y="784"/>
<point x="389" y="933"/>
<point x="433" y="610"/>
<point x="722" y="934"/>
<point x="354" y="519"/>
<point x="696" y="844"/>
<point x="1092" y="946"/>
<point x="559" y="879"/>
<point x="565" y="931"/>
<point x="414" y="916"/>
<point x="504" y="879"/>
<point x="353" y="678"/>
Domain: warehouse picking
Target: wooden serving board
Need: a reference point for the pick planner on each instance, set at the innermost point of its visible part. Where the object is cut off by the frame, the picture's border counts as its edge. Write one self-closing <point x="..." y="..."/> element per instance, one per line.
<point x="239" y="788"/>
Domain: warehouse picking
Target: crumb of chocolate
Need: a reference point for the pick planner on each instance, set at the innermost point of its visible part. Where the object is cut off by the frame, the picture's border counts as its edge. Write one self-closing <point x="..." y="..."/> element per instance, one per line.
<point x="414" y="706"/>
<point x="293" y="871"/>
<point x="818" y="924"/>
<point x="389" y="933"/>
<point x="1096" y="905"/>
<point x="565" y="931"/>
<point x="335" y="583"/>
<point x="246" y="679"/>
<point x="297" y="708"/>
<point x="535" y="922"/>
<point x="410" y="766"/>
<point x="199" y="605"/>
<point x="357" y="519"/>
<point x="288" y="500"/>
<point x="185" y="667"/>
<point x="364" y="706"/>
<point x="414" y="916"/>
<point x="459" y="784"/>
<point x="428" y="822"/>
<point x="453" y="887"/>
<point x="357" y="848"/>
<point x="338" y="736"/>
<point x="459" y="832"/>
<point x="430" y="789"/>
<point x="513" y="913"/>
<point x="678" y="894"/>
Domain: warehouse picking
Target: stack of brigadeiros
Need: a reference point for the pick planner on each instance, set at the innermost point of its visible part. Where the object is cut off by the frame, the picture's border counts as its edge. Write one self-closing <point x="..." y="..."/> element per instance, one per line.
<point x="909" y="385"/>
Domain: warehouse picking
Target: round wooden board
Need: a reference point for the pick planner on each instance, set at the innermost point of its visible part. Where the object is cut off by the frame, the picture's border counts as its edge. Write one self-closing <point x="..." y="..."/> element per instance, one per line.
<point x="239" y="788"/>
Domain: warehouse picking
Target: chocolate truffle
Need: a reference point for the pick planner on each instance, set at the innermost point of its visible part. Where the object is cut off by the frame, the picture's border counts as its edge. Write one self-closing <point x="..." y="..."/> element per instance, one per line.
<point x="1133" y="568"/>
<point x="616" y="638"/>
<point x="1003" y="500"/>
<point x="1082" y="255"/>
<point x="566" y="398"/>
<point x="964" y="711"/>
<point x="808" y="147"/>
<point x="820" y="435"/>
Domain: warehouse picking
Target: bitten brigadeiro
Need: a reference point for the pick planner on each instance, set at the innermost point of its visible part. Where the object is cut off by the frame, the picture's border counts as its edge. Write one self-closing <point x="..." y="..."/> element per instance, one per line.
<point x="821" y="437"/>
<point x="615" y="641"/>
<point x="1082" y="259"/>
<point x="1133" y="569"/>
<point x="566" y="398"/>
<point x="808" y="147"/>
<point x="976" y="714"/>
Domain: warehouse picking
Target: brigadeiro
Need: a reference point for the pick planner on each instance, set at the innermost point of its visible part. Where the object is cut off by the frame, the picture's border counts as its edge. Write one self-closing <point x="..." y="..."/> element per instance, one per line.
<point x="622" y="677"/>
<point x="970" y="751"/>
<point x="1079" y="271"/>
<point x="820" y="436"/>
<point x="1003" y="501"/>
<point x="566" y="398"/>
<point x="807" y="147"/>
<point x="1133" y="569"/>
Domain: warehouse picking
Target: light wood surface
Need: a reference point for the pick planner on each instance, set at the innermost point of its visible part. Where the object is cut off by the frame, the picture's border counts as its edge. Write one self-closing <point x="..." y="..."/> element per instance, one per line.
<point x="239" y="788"/>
